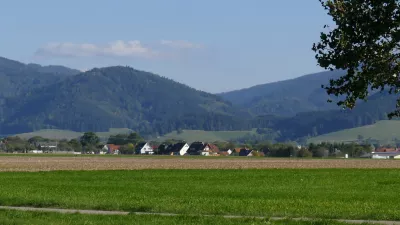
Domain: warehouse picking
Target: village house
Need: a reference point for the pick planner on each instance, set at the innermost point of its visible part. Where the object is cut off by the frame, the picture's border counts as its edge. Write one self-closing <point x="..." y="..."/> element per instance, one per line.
<point x="36" y="151"/>
<point x="201" y="148"/>
<point x="245" y="152"/>
<point x="110" y="149"/>
<point x="144" y="148"/>
<point x="237" y="150"/>
<point x="48" y="146"/>
<point x="386" y="153"/>
<point x="178" y="149"/>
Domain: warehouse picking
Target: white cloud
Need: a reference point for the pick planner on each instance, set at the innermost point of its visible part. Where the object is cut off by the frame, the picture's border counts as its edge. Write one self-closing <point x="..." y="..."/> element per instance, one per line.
<point x="116" y="48"/>
<point x="181" y="44"/>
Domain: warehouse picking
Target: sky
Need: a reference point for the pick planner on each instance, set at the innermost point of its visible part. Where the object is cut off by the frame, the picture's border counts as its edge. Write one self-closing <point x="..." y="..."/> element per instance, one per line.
<point x="211" y="45"/>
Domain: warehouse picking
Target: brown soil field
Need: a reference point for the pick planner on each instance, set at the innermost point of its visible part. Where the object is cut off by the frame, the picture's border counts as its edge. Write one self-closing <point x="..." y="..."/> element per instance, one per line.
<point x="26" y="163"/>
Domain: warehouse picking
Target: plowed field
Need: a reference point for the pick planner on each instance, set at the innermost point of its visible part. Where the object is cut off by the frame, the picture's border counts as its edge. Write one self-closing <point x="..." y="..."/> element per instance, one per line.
<point x="25" y="163"/>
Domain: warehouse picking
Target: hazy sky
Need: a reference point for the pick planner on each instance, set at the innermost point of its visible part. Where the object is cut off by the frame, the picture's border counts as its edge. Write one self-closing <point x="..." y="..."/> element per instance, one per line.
<point x="212" y="45"/>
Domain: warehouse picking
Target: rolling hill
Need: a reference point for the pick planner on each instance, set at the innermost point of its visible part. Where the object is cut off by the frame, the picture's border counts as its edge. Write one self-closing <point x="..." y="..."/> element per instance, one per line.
<point x="17" y="77"/>
<point x="205" y="136"/>
<point x="117" y="97"/>
<point x="286" y="98"/>
<point x="33" y="97"/>
<point x="56" y="134"/>
<point x="384" y="131"/>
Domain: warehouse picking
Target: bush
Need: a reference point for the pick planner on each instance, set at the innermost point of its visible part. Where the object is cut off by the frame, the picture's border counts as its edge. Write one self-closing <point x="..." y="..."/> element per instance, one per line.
<point x="304" y="153"/>
<point x="320" y="152"/>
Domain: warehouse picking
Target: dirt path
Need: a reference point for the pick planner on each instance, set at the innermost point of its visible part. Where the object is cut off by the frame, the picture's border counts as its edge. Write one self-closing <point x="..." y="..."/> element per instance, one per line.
<point x="100" y="212"/>
<point x="27" y="163"/>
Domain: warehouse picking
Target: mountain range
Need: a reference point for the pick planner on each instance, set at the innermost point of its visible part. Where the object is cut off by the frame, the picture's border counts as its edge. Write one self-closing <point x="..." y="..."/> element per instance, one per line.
<point x="288" y="97"/>
<point x="34" y="97"/>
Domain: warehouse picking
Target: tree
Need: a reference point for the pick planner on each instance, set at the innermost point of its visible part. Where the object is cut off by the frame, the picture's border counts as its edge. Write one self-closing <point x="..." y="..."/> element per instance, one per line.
<point x="320" y="152"/>
<point x="364" y="43"/>
<point x="89" y="139"/>
<point x="127" y="149"/>
<point x="75" y="145"/>
<point x="304" y="153"/>
<point x="123" y="139"/>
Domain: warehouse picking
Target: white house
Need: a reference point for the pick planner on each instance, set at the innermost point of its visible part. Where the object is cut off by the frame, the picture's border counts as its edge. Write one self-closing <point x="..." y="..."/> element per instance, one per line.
<point x="385" y="155"/>
<point x="144" y="148"/>
<point x="36" y="151"/>
<point x="205" y="153"/>
<point x="47" y="145"/>
<point x="229" y="151"/>
<point x="110" y="149"/>
<point x="179" y="148"/>
<point x="184" y="149"/>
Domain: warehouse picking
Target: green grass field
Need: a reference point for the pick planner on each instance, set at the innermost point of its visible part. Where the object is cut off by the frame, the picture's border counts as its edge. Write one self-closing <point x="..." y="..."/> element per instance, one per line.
<point x="67" y="134"/>
<point x="8" y="217"/>
<point x="206" y="136"/>
<point x="384" y="131"/>
<point x="322" y="193"/>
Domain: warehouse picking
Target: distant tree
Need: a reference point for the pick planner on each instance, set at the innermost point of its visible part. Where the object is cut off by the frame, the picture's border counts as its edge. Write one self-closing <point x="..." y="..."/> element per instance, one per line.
<point x="304" y="153"/>
<point x="127" y="149"/>
<point x="123" y="139"/>
<point x="75" y="145"/>
<point x="34" y="140"/>
<point x="364" y="43"/>
<point x="320" y="152"/>
<point x="63" y="145"/>
<point x="89" y="139"/>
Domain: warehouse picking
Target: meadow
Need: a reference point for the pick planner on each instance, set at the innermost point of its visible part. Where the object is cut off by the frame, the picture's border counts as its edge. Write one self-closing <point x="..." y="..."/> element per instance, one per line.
<point x="205" y="136"/>
<point x="10" y="217"/>
<point x="68" y="134"/>
<point x="322" y="193"/>
<point x="384" y="131"/>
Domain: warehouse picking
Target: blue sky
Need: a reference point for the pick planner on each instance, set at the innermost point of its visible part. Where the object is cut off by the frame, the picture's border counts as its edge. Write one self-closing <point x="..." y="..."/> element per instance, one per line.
<point x="212" y="45"/>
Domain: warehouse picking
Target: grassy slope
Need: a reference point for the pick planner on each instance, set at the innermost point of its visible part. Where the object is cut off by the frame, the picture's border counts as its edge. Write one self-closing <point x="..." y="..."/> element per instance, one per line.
<point x="206" y="136"/>
<point x="322" y="193"/>
<point x="384" y="130"/>
<point x="67" y="134"/>
<point x="187" y="135"/>
<point x="38" y="218"/>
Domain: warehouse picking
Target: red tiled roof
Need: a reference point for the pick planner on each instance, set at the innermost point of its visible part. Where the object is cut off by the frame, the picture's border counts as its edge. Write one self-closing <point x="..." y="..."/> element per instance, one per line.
<point x="386" y="150"/>
<point x="113" y="147"/>
<point x="213" y="147"/>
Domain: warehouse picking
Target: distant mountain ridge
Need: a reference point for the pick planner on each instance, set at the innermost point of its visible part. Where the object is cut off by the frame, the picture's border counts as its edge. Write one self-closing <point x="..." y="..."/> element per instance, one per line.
<point x="117" y="96"/>
<point x="17" y="77"/>
<point x="33" y="97"/>
<point x="288" y="97"/>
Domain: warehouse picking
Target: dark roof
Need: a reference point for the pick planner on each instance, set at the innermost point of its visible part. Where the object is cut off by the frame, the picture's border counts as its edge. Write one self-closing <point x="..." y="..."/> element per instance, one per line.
<point x="244" y="152"/>
<point x="140" y="145"/>
<point x="176" y="147"/>
<point x="196" y="147"/>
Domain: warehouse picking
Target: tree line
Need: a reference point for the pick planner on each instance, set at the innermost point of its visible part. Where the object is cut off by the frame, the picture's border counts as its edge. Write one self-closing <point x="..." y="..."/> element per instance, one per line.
<point x="89" y="142"/>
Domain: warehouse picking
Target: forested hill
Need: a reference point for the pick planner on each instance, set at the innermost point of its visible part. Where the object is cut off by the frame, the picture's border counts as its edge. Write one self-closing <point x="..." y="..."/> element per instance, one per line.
<point x="308" y="124"/>
<point x="34" y="97"/>
<point x="117" y="97"/>
<point x="286" y="98"/>
<point x="17" y="78"/>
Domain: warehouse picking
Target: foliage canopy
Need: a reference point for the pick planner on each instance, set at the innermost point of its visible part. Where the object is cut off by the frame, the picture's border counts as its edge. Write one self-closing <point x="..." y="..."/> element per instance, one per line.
<point x="365" y="43"/>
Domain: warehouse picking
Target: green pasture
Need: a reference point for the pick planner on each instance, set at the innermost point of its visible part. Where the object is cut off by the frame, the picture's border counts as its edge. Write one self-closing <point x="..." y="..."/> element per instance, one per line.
<point x="315" y="193"/>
